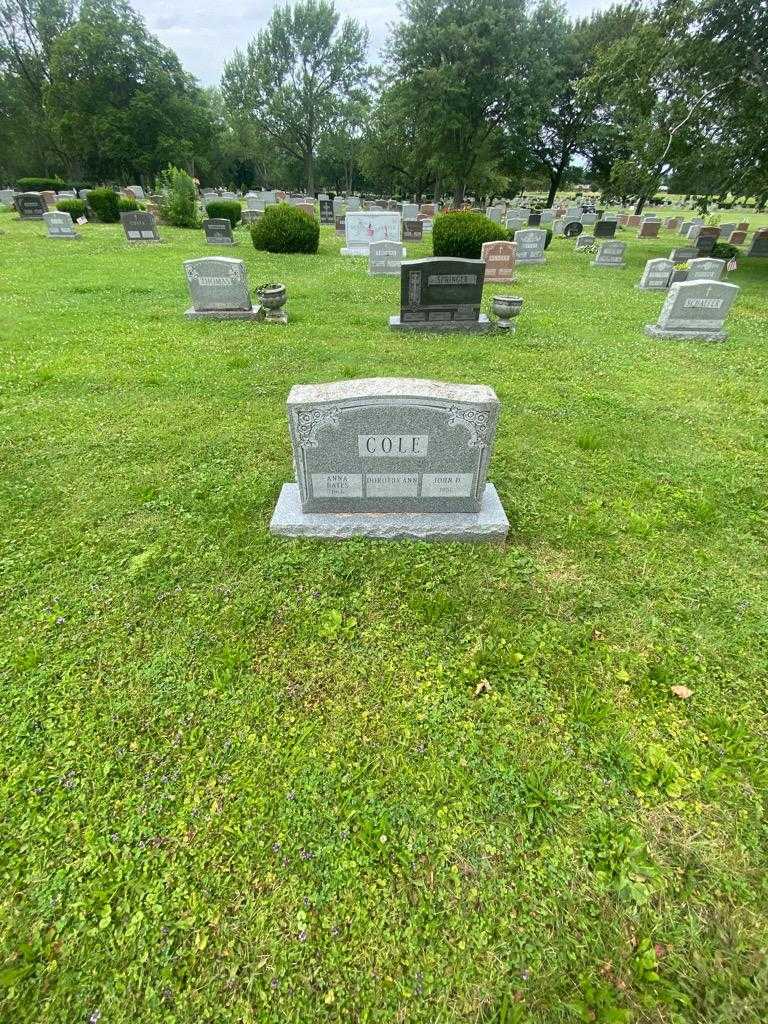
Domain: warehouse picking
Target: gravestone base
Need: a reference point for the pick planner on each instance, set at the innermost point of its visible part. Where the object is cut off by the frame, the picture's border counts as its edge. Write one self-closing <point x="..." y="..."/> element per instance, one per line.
<point x="254" y="313"/>
<point x="683" y="335"/>
<point x="490" y="525"/>
<point x="361" y="250"/>
<point x="70" y="238"/>
<point x="531" y="263"/>
<point x="277" y="317"/>
<point x="649" y="288"/>
<point x="611" y="266"/>
<point x="221" y="241"/>
<point x="444" y="326"/>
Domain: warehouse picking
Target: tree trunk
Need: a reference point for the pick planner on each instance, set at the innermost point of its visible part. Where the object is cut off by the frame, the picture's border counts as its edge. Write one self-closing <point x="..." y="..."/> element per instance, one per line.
<point x="458" y="194"/>
<point x="640" y="204"/>
<point x="309" y="172"/>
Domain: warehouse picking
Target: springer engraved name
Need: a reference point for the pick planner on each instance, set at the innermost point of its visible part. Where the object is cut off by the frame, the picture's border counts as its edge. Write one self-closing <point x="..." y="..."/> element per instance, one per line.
<point x="436" y="279"/>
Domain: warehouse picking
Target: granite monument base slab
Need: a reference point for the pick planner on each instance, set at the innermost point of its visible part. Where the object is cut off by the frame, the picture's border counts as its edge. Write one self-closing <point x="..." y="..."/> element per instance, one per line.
<point x="254" y="313"/>
<point x="611" y="266"/>
<point x="682" y="335"/>
<point x="442" y="326"/>
<point x="490" y="525"/>
<point x="360" y="250"/>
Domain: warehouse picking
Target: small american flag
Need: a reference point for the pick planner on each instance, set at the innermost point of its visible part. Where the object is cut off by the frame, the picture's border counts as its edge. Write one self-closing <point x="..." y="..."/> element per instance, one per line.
<point x="732" y="265"/>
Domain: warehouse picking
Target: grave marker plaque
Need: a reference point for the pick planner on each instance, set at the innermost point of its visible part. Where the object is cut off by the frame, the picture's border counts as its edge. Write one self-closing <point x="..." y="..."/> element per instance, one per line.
<point x="391" y="458"/>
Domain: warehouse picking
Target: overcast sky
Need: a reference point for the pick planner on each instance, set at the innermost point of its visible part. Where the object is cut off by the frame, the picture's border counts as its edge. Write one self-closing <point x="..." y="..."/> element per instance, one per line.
<point x="204" y="34"/>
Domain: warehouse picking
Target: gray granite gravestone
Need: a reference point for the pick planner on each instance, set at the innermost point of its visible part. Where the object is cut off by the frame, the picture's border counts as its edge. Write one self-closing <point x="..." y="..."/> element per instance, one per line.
<point x="499" y="259"/>
<point x="605" y="229"/>
<point x="60" y="225"/>
<point x="254" y="202"/>
<point x="547" y="218"/>
<point x="384" y="259"/>
<point x="759" y="245"/>
<point x="695" y="310"/>
<point x="516" y="223"/>
<point x="656" y="275"/>
<point x="558" y="227"/>
<point x="30" y="205"/>
<point x="6" y="196"/>
<point x="218" y="231"/>
<point x="610" y="254"/>
<point x="140" y="226"/>
<point x="706" y="269"/>
<point x="412" y="230"/>
<point x="530" y="246"/>
<point x="584" y="242"/>
<point x="588" y="219"/>
<point x="391" y="458"/>
<point x="340" y="226"/>
<point x="353" y="204"/>
<point x="218" y="287"/>
<point x="136" y="191"/>
<point x="705" y="240"/>
<point x="726" y="230"/>
<point x="682" y="254"/>
<point x="248" y="217"/>
<point x="410" y="211"/>
<point x="326" y="211"/>
<point x="441" y="293"/>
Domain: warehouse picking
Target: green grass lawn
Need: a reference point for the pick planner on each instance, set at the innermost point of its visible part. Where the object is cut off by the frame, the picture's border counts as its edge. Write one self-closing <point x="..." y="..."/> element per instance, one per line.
<point x="247" y="779"/>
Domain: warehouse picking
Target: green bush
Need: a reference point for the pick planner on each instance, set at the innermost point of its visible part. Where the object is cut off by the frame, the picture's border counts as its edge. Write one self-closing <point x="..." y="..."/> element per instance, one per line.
<point x="463" y="234"/>
<point x="179" y="205"/>
<point x="41" y="185"/>
<point x="228" y="209"/>
<point x="125" y="204"/>
<point x="724" y="251"/>
<point x="283" y="228"/>
<point x="104" y="203"/>
<point x="74" y="207"/>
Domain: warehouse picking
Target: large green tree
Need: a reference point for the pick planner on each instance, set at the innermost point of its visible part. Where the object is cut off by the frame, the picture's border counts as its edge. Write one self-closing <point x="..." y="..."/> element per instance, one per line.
<point x="297" y="76"/>
<point x="470" y="69"/>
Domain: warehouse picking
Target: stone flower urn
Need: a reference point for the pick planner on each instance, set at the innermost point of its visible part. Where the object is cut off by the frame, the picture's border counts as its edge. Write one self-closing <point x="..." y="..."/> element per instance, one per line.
<point x="272" y="297"/>
<point x="506" y="307"/>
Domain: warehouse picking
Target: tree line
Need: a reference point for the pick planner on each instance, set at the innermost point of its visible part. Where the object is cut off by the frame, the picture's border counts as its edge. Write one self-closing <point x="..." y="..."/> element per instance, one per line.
<point x="481" y="97"/>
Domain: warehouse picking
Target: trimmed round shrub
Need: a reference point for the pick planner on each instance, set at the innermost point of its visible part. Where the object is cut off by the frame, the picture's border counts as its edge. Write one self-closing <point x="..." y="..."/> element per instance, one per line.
<point x="105" y="204"/>
<point x="228" y="209"/>
<point x="126" y="204"/>
<point x="463" y="234"/>
<point x="41" y="185"/>
<point x="74" y="207"/>
<point x="283" y="228"/>
<point x="724" y="251"/>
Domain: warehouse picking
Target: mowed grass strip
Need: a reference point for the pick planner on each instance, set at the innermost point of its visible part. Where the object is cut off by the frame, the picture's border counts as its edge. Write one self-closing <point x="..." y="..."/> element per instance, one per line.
<point x="253" y="780"/>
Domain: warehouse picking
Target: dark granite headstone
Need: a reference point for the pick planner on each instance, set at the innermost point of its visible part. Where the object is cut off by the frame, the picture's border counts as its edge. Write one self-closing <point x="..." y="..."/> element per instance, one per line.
<point x="759" y="246"/>
<point x="412" y="230"/>
<point x="326" y="211"/>
<point x="441" y="294"/>
<point x="140" y="226"/>
<point x="705" y="240"/>
<point x="605" y="229"/>
<point x="30" y="206"/>
<point x="218" y="231"/>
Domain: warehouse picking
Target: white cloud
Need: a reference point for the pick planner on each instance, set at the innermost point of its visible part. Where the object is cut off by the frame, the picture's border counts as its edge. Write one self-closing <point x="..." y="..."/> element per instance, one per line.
<point x="204" y="35"/>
